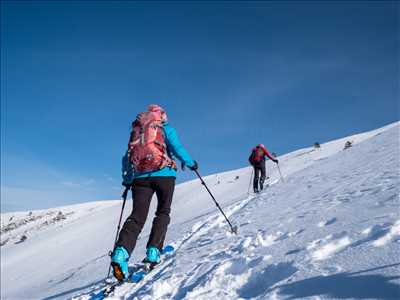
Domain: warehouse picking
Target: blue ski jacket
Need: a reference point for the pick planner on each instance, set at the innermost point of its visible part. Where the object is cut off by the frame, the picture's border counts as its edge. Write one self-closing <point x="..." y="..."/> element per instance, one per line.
<point x="175" y="150"/>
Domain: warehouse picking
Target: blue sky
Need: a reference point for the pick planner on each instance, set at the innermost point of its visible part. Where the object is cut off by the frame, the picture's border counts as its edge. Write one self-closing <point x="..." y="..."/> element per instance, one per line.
<point x="230" y="75"/>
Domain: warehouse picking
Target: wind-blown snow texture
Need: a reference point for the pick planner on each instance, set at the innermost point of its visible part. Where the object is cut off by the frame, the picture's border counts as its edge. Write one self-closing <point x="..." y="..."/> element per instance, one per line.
<point x="331" y="230"/>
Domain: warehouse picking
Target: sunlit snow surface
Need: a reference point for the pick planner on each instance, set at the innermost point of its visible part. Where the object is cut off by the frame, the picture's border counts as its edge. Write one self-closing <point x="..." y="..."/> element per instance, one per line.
<point x="331" y="230"/>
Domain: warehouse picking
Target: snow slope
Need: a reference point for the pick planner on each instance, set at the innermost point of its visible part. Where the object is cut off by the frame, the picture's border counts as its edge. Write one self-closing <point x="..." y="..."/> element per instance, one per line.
<point x="330" y="230"/>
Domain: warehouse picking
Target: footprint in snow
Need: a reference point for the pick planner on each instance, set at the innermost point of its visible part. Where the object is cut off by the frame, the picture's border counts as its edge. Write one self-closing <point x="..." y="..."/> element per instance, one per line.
<point x="262" y="239"/>
<point x="265" y="240"/>
<point x="373" y="233"/>
<point x="342" y="199"/>
<point x="291" y="252"/>
<point x="392" y="235"/>
<point x="245" y="223"/>
<point x="237" y="266"/>
<point x="262" y="280"/>
<point x="314" y="244"/>
<point x="297" y="232"/>
<point x="327" y="223"/>
<point x="326" y="251"/>
<point x="222" y="279"/>
<point x="242" y="265"/>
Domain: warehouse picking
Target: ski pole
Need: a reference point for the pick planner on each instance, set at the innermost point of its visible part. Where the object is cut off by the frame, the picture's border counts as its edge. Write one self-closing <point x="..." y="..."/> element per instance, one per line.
<point x="251" y="177"/>
<point x="233" y="228"/>
<point x="124" y="196"/>
<point x="279" y="169"/>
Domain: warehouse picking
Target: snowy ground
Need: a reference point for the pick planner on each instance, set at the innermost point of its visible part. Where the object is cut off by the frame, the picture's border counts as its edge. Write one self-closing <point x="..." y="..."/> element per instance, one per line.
<point x="331" y="230"/>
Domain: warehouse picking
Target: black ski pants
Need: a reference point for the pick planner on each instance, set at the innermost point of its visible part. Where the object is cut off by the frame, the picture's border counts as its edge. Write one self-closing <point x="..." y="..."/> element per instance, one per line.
<point x="143" y="190"/>
<point x="258" y="181"/>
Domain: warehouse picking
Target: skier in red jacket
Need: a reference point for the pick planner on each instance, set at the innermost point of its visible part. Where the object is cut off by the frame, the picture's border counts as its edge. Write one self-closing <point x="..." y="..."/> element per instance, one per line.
<point x="257" y="160"/>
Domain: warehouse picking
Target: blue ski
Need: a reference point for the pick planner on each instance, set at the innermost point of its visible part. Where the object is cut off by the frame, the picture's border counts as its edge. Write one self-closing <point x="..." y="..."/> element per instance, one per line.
<point x="140" y="272"/>
<point x="148" y="267"/>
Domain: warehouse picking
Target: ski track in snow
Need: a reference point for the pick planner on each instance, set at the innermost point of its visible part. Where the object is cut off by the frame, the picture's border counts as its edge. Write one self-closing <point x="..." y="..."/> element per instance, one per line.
<point x="198" y="229"/>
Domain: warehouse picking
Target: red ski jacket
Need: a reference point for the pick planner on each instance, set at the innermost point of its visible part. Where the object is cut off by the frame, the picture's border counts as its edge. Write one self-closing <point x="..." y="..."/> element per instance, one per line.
<point x="255" y="156"/>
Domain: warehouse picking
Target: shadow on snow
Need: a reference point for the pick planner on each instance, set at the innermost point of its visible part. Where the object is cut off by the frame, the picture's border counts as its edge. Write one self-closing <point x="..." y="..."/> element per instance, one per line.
<point x="345" y="285"/>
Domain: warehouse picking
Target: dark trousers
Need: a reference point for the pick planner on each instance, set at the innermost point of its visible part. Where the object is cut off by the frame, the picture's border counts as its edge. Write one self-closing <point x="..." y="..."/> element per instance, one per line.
<point x="259" y="168"/>
<point x="143" y="190"/>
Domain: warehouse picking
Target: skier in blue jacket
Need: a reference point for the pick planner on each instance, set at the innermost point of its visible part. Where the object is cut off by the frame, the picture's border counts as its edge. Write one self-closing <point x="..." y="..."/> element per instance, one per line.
<point x="138" y="172"/>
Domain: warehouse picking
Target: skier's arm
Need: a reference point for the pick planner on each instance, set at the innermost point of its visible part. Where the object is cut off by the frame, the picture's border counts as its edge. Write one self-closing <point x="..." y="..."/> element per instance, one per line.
<point x="176" y="147"/>
<point x="268" y="154"/>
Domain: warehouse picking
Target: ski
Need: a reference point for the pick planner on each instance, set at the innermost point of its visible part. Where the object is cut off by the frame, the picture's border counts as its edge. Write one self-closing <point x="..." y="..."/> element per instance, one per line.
<point x="141" y="270"/>
<point x="147" y="267"/>
<point x="106" y="291"/>
<point x="109" y="289"/>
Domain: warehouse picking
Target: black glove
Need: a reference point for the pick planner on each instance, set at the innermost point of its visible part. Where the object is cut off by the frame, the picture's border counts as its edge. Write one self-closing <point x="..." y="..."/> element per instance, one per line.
<point x="276" y="161"/>
<point x="194" y="167"/>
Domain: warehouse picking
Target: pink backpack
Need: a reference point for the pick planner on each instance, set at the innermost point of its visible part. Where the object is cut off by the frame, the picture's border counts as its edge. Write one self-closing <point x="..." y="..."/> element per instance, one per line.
<point x="147" y="148"/>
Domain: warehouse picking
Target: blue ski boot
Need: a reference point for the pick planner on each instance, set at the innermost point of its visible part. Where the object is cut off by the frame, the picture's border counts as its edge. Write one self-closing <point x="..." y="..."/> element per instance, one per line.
<point x="119" y="263"/>
<point x="153" y="255"/>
